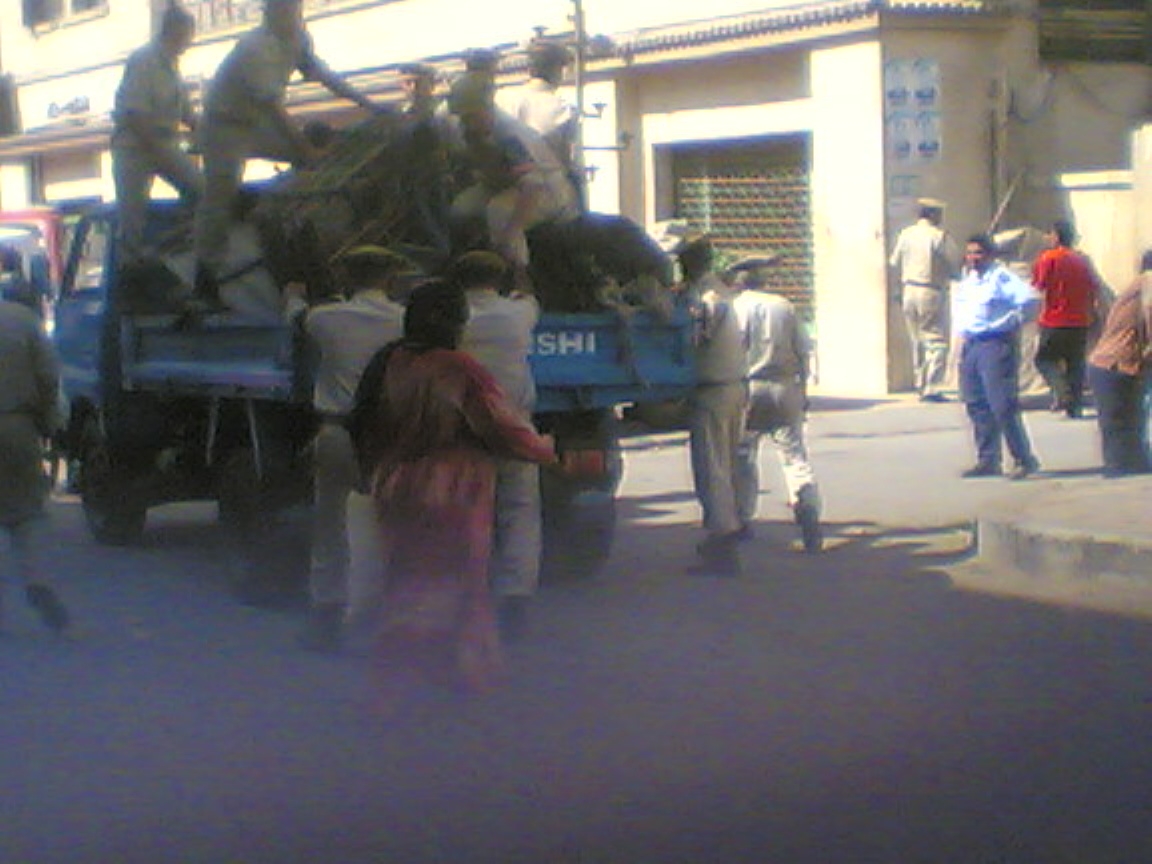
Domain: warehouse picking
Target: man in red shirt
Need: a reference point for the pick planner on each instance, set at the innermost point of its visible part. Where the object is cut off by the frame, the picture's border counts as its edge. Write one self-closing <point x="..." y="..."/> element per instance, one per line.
<point x="1070" y="287"/>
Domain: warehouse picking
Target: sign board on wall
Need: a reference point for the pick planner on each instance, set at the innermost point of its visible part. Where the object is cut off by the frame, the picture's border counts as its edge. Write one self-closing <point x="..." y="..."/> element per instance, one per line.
<point x="912" y="129"/>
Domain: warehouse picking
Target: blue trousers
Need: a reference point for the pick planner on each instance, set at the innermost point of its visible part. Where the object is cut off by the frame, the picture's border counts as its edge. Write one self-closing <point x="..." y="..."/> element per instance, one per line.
<point x="1122" y="418"/>
<point x="988" y="385"/>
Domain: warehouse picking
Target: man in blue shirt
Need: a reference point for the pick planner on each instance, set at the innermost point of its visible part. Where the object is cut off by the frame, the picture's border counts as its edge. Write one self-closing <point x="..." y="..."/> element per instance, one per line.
<point x="990" y="305"/>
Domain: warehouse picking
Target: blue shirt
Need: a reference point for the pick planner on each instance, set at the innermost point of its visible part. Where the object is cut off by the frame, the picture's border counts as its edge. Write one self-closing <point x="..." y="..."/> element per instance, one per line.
<point x="996" y="301"/>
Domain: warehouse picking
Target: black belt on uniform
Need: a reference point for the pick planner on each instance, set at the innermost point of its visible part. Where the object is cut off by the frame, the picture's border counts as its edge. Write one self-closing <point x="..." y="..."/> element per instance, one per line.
<point x="337" y="419"/>
<point x="921" y="284"/>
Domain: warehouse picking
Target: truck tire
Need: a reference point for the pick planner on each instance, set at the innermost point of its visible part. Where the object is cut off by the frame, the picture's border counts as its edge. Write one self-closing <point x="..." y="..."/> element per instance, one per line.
<point x="266" y="562"/>
<point x="113" y="509"/>
<point x="579" y="497"/>
<point x="579" y="529"/>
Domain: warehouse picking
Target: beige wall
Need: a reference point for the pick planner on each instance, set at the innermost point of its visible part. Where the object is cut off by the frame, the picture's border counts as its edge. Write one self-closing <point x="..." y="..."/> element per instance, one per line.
<point x="848" y="219"/>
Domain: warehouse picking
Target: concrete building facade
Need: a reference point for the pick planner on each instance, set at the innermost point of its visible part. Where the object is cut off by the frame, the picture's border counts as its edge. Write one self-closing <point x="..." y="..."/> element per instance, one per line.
<point x="807" y="127"/>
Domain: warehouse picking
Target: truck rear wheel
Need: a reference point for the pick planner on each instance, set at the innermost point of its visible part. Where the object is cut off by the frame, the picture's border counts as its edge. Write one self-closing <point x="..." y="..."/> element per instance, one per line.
<point x="113" y="509"/>
<point x="579" y="495"/>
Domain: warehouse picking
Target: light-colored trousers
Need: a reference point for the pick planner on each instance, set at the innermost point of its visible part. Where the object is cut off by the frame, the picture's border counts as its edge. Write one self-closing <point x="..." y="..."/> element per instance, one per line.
<point x="515" y="569"/>
<point x="716" y="426"/>
<point x="26" y="539"/>
<point x="334" y="475"/>
<point x="925" y="316"/>
<point x="478" y="202"/>
<point x="133" y="172"/>
<point x="227" y="147"/>
<point x="775" y="410"/>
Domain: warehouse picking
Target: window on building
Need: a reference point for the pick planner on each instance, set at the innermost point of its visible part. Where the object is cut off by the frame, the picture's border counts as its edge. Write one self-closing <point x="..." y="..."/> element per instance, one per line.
<point x="1105" y="31"/>
<point x="223" y="14"/>
<point x="752" y="196"/>
<point x="45" y="13"/>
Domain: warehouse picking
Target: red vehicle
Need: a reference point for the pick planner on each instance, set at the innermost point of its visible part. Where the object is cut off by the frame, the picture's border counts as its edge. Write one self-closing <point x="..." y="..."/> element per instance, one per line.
<point x="37" y="233"/>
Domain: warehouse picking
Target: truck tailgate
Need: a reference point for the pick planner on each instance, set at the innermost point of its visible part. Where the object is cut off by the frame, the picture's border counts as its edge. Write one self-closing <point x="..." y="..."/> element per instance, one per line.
<point x="604" y="359"/>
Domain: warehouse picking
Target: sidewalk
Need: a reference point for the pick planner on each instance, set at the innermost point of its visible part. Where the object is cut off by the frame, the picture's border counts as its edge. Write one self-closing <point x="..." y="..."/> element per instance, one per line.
<point x="1086" y="545"/>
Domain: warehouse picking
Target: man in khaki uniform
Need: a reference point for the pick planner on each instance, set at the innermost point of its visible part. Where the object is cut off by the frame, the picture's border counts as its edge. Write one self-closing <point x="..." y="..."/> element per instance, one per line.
<point x="719" y="401"/>
<point x="518" y="183"/>
<point x="345" y="335"/>
<point x="499" y="334"/>
<point x="151" y="106"/>
<point x="29" y="412"/>
<point x="778" y="352"/>
<point x="245" y="117"/>
<point x="927" y="260"/>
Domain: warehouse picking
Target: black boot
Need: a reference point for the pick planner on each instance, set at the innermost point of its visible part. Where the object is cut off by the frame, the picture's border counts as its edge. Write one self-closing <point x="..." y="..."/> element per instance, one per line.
<point x="718" y="556"/>
<point x="807" y="513"/>
<point x="324" y="631"/>
<point x="45" y="601"/>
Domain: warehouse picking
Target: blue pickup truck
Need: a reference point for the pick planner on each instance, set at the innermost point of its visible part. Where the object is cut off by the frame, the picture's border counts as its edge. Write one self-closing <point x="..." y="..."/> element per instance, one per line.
<point x="221" y="411"/>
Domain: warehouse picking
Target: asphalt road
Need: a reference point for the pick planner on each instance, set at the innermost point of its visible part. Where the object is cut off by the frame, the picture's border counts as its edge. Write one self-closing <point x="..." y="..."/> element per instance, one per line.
<point x="851" y="707"/>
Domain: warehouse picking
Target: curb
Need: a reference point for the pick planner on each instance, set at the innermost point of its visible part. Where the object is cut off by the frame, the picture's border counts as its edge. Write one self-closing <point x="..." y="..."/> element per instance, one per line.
<point x="1038" y="556"/>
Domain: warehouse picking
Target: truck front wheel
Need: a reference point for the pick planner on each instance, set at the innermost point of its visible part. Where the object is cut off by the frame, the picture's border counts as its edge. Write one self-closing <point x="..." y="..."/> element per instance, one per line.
<point x="115" y="513"/>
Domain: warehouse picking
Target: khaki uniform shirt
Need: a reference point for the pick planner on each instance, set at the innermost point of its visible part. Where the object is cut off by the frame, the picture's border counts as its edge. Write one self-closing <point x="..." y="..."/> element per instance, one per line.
<point x="152" y="89"/>
<point x="255" y="75"/>
<point x="776" y="345"/>
<point x="720" y="356"/>
<point x="925" y="255"/>
<point x="347" y="335"/>
<point x="29" y="370"/>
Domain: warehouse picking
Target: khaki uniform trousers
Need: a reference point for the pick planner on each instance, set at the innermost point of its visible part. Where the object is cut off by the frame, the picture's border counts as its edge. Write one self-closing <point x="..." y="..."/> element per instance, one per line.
<point x="478" y="202"/>
<point x="227" y="147"/>
<point x="776" y="410"/>
<point x="716" y="426"/>
<point x="133" y="172"/>
<point x="335" y="475"/>
<point x="925" y="316"/>
<point x="515" y="569"/>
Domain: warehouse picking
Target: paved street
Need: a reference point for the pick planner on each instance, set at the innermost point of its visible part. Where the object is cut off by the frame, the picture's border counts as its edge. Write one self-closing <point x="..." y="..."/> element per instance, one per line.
<point x="848" y="708"/>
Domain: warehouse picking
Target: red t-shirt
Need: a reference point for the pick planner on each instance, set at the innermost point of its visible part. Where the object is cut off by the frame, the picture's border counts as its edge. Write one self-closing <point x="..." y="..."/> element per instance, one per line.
<point x="1068" y="284"/>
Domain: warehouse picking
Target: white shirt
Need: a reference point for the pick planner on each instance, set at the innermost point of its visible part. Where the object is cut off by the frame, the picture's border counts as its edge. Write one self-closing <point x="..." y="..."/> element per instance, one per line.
<point x="499" y="334"/>
<point x="347" y="335"/>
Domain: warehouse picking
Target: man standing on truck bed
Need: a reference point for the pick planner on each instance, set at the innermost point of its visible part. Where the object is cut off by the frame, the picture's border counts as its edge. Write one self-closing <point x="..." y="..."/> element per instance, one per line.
<point x="151" y="105"/>
<point x="29" y="412"/>
<point x="245" y="117"/>
<point x="346" y="335"/>
<point x="518" y="183"/>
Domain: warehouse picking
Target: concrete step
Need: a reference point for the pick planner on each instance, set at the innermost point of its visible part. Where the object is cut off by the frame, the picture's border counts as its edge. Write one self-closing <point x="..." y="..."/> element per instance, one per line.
<point x="1087" y="545"/>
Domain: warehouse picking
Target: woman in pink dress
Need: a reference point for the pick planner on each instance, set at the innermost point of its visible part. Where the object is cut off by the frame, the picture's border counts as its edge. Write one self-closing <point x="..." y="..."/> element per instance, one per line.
<point x="429" y="422"/>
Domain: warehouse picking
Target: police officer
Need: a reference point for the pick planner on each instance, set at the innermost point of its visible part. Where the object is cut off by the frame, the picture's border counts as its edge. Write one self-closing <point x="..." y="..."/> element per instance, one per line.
<point x="245" y="117"/>
<point x="151" y="106"/>
<point x="777" y="364"/>
<point x="345" y="336"/>
<point x="29" y="412"/>
<point x="927" y="259"/>
<point x="499" y="335"/>
<point x="719" y="400"/>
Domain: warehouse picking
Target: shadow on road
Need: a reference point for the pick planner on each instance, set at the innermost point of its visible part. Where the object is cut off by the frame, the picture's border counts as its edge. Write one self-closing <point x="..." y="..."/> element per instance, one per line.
<point x="847" y="707"/>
